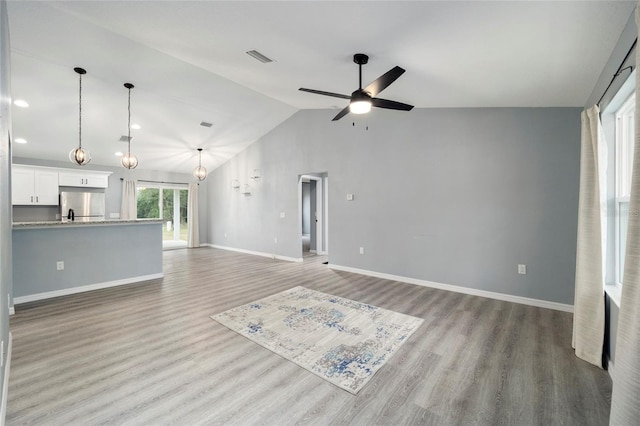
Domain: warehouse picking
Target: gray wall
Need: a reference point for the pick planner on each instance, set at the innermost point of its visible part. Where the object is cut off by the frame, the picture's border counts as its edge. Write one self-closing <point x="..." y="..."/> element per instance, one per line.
<point x="91" y="255"/>
<point x="456" y="196"/>
<point x="113" y="194"/>
<point x="5" y="185"/>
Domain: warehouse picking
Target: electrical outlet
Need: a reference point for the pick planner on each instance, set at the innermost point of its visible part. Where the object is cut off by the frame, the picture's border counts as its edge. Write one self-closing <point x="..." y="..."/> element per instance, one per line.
<point x="361" y="250"/>
<point x="225" y="235"/>
<point x="276" y="240"/>
<point x="282" y="215"/>
<point x="522" y="269"/>
<point x="349" y="197"/>
<point x="60" y="265"/>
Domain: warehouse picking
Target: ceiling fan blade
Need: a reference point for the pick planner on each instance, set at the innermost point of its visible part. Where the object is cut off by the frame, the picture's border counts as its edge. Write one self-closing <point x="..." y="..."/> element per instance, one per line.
<point x="385" y="103"/>
<point x="384" y="81"/>
<point x="341" y="114"/>
<point x="320" y="92"/>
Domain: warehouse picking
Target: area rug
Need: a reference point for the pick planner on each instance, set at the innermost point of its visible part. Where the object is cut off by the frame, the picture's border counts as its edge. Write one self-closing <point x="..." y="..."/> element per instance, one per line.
<point x="343" y="341"/>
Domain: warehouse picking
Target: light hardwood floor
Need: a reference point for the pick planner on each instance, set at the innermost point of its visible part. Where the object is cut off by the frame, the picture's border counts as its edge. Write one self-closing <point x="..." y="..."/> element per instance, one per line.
<point x="148" y="353"/>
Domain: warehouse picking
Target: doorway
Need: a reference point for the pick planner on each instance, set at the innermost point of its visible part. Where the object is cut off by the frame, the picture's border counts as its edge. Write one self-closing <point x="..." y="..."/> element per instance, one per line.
<point x="313" y="218"/>
<point x="169" y="203"/>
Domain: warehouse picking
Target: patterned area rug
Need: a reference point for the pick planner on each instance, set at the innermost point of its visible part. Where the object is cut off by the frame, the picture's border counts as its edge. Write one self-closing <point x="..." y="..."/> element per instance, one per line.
<point x="342" y="341"/>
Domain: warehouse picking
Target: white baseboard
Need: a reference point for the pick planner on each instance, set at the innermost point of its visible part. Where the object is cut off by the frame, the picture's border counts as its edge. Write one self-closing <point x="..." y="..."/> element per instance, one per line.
<point x="5" y="382"/>
<point x="458" y="289"/>
<point x="611" y="370"/>
<point x="82" y="289"/>
<point x="256" y="253"/>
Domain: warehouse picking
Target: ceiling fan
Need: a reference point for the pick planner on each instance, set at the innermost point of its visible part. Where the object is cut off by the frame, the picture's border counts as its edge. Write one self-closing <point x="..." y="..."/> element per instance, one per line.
<point x="362" y="100"/>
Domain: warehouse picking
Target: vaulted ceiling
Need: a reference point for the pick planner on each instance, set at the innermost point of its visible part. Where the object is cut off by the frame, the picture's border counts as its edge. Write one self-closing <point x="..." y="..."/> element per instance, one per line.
<point x="188" y="63"/>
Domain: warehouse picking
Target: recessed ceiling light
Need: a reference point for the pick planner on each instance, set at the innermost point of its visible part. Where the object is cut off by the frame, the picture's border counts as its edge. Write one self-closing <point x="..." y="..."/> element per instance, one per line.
<point x="20" y="140"/>
<point x="119" y="154"/>
<point x="21" y="103"/>
<point x="135" y="126"/>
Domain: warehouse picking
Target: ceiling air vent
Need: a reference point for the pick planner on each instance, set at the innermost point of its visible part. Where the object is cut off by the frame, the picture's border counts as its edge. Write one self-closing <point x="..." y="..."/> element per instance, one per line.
<point x="259" y="56"/>
<point x="205" y="124"/>
<point x="125" y="138"/>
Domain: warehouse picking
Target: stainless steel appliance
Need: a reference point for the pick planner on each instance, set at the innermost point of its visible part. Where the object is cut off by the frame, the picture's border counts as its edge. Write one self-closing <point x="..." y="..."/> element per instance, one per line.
<point x="82" y="206"/>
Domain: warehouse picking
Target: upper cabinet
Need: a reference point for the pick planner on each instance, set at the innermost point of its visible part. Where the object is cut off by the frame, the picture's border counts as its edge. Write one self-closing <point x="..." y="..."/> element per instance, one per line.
<point x="88" y="179"/>
<point x="40" y="186"/>
<point x="34" y="186"/>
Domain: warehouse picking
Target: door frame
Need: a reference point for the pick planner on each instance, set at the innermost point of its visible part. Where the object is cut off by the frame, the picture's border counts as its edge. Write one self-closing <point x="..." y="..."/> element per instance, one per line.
<point x="322" y="211"/>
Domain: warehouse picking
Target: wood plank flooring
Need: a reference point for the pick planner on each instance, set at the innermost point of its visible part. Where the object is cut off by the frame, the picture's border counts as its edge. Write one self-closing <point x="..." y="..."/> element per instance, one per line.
<point x="148" y="354"/>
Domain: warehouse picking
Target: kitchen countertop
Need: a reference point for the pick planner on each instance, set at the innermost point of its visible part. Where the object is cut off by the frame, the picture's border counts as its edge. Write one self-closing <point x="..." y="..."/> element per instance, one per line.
<point x="61" y="224"/>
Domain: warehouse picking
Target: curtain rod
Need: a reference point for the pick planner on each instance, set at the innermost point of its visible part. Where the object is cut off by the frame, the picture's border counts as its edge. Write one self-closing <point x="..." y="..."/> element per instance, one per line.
<point x="160" y="181"/>
<point x="619" y="71"/>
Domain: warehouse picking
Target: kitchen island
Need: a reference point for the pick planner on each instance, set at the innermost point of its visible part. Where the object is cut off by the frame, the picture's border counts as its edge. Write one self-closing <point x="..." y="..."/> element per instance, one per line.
<point x="54" y="258"/>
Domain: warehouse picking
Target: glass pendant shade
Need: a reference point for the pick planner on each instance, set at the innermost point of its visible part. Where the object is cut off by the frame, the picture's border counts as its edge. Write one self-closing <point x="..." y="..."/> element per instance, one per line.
<point x="79" y="155"/>
<point x="200" y="172"/>
<point x="129" y="161"/>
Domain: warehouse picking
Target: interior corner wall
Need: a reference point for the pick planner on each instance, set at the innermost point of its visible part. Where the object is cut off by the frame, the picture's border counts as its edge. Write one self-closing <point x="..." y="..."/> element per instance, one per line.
<point x="624" y="43"/>
<point x="454" y="196"/>
<point x="6" y="275"/>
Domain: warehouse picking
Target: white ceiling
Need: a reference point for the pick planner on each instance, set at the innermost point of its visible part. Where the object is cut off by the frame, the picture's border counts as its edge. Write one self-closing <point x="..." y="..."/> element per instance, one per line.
<point x="187" y="61"/>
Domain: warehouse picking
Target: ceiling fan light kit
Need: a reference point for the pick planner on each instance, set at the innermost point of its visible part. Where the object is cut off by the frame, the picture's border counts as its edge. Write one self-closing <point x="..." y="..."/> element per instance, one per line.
<point x="360" y="103"/>
<point x="79" y="155"/>
<point x="361" y="100"/>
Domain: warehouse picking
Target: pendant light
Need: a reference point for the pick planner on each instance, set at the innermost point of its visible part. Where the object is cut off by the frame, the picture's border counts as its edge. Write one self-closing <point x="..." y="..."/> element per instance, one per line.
<point x="129" y="161"/>
<point x="79" y="155"/>
<point x="200" y="172"/>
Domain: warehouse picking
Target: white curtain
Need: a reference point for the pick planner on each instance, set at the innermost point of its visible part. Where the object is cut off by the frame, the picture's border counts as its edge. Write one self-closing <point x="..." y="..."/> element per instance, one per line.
<point x="129" y="205"/>
<point x="588" y="315"/>
<point x="193" y="239"/>
<point x="625" y="402"/>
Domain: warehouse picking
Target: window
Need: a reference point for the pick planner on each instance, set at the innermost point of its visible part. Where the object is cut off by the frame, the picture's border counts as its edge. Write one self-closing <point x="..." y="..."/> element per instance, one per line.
<point x="169" y="203"/>
<point x="624" y="140"/>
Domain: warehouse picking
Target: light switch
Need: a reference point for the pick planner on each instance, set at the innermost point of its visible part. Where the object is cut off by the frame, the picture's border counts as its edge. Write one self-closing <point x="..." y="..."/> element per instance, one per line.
<point x="349" y="197"/>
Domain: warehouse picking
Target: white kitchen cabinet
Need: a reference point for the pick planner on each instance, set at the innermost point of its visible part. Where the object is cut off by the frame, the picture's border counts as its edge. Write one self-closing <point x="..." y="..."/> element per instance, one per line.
<point x="84" y="179"/>
<point x="34" y="186"/>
